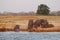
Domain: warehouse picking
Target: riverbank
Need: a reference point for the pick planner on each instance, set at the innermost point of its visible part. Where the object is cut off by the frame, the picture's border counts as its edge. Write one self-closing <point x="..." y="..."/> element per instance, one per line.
<point x="54" y="29"/>
<point x="7" y="23"/>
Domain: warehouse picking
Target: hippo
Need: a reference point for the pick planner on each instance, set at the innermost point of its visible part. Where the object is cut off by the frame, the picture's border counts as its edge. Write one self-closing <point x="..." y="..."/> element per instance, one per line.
<point x="50" y="25"/>
<point x="37" y="23"/>
<point x="16" y="28"/>
<point x="30" y="24"/>
<point x="43" y="23"/>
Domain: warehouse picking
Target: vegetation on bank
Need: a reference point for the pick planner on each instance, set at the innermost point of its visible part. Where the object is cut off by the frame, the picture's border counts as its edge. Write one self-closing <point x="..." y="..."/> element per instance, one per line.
<point x="22" y="21"/>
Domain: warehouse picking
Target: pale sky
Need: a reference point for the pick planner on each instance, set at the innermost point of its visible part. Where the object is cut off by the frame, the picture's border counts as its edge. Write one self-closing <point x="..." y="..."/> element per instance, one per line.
<point x="27" y="5"/>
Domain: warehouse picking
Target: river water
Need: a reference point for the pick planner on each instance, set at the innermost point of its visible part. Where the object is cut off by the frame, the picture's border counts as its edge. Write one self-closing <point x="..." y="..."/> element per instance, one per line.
<point x="29" y="35"/>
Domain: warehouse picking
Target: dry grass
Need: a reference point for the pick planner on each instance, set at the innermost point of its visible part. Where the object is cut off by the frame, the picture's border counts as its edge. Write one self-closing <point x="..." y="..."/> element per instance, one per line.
<point x="9" y="22"/>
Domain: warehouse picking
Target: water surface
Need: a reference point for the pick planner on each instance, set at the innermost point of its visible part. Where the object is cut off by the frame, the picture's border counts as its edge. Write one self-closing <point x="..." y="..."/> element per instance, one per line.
<point x="29" y="35"/>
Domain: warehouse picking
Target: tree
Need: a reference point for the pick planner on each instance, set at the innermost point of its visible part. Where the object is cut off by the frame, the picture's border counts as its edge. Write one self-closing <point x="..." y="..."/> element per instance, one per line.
<point x="43" y="9"/>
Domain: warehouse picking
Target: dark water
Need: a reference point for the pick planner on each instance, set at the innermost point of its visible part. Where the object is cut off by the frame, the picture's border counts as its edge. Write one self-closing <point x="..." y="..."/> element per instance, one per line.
<point x="29" y="35"/>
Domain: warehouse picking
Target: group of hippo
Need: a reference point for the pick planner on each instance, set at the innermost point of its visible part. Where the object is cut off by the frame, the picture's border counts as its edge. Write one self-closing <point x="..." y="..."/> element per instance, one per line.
<point x="43" y="23"/>
<point x="39" y="23"/>
<point x="35" y="24"/>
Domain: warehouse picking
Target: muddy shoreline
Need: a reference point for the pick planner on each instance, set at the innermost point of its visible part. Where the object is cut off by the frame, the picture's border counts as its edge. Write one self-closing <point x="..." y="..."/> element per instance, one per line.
<point x="54" y="29"/>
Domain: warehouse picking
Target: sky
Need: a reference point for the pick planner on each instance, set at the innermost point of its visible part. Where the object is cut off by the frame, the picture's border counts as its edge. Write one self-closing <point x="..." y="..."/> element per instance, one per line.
<point x="27" y="5"/>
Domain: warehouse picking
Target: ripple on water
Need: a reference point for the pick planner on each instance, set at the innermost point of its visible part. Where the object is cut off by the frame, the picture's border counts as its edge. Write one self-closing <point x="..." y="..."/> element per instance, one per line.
<point x="29" y="35"/>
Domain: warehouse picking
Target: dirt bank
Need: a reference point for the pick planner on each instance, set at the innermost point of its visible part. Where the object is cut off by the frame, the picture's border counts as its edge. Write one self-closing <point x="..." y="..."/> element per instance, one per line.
<point x="7" y="23"/>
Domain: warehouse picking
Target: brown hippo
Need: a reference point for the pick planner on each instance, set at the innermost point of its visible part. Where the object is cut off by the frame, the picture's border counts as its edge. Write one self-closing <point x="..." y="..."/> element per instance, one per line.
<point x="16" y="28"/>
<point x="44" y="23"/>
<point x="30" y="25"/>
<point x="37" y="23"/>
<point x="50" y="25"/>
